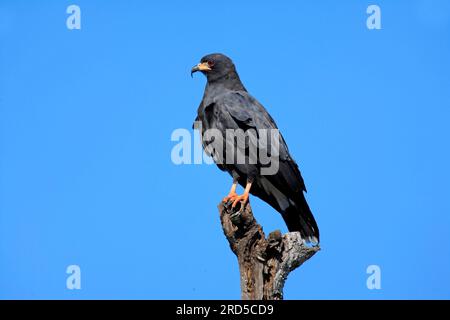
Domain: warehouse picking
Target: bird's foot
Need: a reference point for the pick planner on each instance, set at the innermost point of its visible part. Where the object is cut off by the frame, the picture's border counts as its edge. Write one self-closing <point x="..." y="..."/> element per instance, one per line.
<point x="237" y="207"/>
<point x="242" y="199"/>
<point x="230" y="197"/>
<point x="235" y="204"/>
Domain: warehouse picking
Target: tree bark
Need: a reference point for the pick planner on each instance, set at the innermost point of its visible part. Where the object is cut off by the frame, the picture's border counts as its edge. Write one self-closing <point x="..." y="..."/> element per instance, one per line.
<point x="264" y="263"/>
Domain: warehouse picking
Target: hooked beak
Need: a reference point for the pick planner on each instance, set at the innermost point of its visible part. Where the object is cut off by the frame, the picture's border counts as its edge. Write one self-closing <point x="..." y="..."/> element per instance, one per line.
<point x="200" y="67"/>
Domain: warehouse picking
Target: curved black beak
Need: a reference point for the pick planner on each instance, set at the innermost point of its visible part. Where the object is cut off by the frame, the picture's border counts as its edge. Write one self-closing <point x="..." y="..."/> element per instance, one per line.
<point x="204" y="67"/>
<point x="194" y="70"/>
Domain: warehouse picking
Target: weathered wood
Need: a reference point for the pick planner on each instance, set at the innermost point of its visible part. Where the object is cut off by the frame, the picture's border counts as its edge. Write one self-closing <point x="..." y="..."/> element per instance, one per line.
<point x="264" y="264"/>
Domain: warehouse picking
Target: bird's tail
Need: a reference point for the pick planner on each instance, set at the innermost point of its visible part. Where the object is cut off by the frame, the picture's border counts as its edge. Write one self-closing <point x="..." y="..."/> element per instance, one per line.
<point x="298" y="217"/>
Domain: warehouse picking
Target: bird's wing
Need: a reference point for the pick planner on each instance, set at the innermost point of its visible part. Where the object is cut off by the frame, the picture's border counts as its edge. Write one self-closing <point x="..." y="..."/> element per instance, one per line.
<point x="248" y="113"/>
<point x="282" y="190"/>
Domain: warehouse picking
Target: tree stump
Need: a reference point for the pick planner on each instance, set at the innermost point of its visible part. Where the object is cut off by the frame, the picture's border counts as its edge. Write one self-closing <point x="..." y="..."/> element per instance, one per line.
<point x="264" y="264"/>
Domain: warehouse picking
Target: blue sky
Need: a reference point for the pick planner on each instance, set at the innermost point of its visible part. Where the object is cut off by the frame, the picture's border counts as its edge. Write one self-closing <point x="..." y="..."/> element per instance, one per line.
<point x="86" y="117"/>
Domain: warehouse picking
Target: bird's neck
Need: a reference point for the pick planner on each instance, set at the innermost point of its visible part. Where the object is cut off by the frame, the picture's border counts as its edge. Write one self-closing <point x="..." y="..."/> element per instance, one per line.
<point x="230" y="81"/>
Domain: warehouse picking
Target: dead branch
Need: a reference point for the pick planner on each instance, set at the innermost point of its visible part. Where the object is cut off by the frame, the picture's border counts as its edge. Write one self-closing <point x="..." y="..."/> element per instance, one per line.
<point x="264" y="263"/>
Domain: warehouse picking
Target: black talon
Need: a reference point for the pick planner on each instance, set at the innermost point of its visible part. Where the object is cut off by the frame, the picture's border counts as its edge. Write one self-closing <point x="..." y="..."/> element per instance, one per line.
<point x="235" y="217"/>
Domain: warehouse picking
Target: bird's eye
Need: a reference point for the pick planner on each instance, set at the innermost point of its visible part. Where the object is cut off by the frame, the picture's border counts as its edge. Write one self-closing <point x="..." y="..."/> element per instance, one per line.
<point x="210" y="63"/>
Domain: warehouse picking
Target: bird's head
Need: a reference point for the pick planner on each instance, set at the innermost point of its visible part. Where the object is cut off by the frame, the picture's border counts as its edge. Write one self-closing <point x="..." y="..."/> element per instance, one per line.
<point x="215" y="66"/>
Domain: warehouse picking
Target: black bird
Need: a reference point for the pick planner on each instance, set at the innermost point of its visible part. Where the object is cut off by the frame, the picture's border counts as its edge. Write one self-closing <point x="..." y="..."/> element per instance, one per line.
<point x="226" y="105"/>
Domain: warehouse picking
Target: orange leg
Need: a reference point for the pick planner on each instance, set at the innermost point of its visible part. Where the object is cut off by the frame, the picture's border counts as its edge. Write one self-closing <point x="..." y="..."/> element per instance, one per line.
<point x="243" y="199"/>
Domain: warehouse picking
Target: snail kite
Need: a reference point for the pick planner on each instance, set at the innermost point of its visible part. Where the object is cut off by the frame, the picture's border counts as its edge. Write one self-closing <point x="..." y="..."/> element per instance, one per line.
<point x="226" y="105"/>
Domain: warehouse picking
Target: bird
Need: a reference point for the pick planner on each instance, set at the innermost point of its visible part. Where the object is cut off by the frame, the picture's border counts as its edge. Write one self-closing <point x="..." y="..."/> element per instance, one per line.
<point x="227" y="105"/>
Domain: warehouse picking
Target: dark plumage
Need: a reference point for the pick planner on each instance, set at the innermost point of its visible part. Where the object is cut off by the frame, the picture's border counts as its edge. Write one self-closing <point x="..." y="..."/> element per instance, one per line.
<point x="226" y="104"/>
